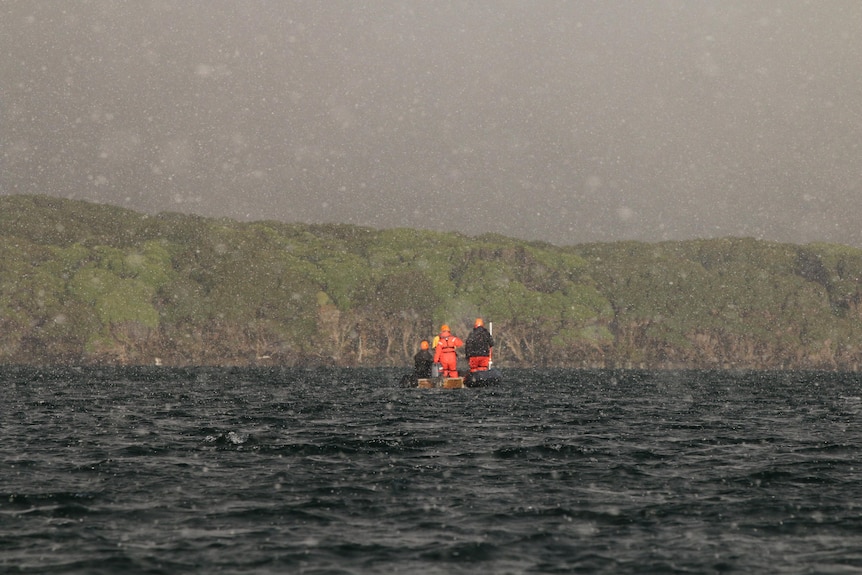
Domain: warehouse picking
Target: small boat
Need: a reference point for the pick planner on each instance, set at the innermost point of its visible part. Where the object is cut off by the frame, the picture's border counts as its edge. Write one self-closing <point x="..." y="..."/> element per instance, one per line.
<point x="443" y="382"/>
<point x="485" y="378"/>
<point x="410" y="380"/>
<point x="480" y="378"/>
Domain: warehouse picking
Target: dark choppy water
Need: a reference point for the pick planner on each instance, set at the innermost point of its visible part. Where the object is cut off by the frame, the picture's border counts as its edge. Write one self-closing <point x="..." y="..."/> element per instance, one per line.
<point x="296" y="471"/>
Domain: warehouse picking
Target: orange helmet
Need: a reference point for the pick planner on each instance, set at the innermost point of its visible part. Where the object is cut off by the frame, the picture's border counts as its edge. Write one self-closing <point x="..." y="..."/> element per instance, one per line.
<point x="444" y="327"/>
<point x="479" y="322"/>
<point x="424" y="344"/>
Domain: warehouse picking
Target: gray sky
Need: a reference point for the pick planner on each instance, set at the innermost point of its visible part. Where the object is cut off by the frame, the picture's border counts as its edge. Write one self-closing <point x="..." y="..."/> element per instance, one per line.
<point x="565" y="121"/>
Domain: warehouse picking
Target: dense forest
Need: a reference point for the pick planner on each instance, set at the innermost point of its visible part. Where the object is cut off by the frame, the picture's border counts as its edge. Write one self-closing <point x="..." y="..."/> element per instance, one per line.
<point x="84" y="283"/>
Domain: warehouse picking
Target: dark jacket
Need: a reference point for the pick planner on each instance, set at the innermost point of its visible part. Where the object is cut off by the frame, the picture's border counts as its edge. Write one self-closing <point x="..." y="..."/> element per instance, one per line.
<point x="479" y="342"/>
<point x="422" y="362"/>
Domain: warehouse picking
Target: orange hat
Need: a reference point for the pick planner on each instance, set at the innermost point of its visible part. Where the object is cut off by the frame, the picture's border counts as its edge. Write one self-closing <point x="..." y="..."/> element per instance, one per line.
<point x="479" y="322"/>
<point x="424" y="344"/>
<point x="444" y="327"/>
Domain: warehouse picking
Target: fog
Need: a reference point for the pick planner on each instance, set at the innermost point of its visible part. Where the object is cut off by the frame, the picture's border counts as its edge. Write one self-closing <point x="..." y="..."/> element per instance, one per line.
<point x="560" y="121"/>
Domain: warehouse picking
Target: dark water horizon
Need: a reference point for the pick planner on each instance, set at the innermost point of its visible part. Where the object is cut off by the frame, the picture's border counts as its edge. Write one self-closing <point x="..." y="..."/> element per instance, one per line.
<point x="281" y="470"/>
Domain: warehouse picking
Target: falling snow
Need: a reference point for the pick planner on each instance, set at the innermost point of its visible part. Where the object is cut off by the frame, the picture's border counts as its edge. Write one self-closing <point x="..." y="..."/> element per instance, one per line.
<point x="561" y="121"/>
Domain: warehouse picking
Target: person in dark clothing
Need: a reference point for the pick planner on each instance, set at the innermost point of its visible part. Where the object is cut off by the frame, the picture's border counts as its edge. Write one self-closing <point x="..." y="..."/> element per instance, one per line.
<point x="479" y="347"/>
<point x="422" y="361"/>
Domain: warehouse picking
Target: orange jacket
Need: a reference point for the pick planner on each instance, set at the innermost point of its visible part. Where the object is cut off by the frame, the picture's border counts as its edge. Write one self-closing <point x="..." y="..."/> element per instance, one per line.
<point x="446" y="345"/>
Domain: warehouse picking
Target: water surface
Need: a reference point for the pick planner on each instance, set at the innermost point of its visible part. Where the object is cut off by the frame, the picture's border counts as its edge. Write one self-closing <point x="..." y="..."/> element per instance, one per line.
<point x="162" y="470"/>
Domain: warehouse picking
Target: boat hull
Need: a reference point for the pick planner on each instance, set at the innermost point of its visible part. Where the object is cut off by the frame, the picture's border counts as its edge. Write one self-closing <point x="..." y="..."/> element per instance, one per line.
<point x="486" y="378"/>
<point x="441" y="382"/>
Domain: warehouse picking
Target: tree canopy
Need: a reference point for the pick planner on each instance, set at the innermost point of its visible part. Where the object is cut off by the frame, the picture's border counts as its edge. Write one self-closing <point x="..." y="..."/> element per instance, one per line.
<point x="85" y="283"/>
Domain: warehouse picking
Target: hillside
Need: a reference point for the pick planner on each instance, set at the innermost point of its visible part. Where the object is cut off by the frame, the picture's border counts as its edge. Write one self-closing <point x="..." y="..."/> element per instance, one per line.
<point x="82" y="283"/>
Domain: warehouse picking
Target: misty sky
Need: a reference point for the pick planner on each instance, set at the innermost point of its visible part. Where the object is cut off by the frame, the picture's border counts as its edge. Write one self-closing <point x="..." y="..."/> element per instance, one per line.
<point x="564" y="121"/>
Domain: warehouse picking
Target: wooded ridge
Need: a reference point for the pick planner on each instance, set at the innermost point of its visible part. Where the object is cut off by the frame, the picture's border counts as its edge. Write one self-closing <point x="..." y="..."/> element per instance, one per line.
<point x="84" y="283"/>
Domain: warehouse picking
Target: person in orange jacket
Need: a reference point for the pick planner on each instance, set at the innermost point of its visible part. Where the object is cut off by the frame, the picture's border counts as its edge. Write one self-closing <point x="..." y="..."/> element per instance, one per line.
<point x="444" y="353"/>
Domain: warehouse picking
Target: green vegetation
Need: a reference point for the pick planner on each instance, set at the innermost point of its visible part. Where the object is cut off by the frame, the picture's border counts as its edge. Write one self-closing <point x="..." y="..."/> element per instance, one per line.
<point x="83" y="283"/>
